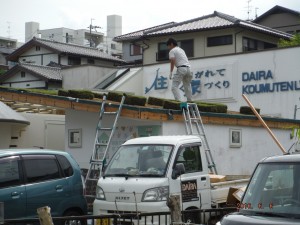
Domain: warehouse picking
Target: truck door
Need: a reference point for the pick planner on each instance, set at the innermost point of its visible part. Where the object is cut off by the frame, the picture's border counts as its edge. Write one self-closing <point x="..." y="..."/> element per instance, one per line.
<point x="194" y="185"/>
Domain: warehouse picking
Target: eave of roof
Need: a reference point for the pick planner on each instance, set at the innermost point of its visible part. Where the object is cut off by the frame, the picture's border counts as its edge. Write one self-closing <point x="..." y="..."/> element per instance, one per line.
<point x="138" y="34"/>
<point x="63" y="48"/>
<point x="8" y="115"/>
<point x="276" y="9"/>
<point x="45" y="72"/>
<point x="140" y="112"/>
<point x="214" y="21"/>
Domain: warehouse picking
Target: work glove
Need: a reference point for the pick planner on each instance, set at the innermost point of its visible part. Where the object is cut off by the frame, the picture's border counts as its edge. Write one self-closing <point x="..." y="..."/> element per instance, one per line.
<point x="170" y="76"/>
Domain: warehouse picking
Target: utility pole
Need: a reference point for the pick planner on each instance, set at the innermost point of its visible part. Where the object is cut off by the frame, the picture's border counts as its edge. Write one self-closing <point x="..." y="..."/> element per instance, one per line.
<point x="92" y="27"/>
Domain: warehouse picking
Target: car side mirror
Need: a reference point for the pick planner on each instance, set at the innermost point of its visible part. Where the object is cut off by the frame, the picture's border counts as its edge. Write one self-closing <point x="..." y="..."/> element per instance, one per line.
<point x="178" y="170"/>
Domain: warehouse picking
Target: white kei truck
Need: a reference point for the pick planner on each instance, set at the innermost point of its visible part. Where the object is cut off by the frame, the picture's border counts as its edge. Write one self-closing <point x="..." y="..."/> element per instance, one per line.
<point x="145" y="171"/>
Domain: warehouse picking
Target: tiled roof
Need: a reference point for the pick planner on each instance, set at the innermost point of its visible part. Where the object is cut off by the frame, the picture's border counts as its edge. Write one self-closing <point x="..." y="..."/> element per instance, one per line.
<point x="50" y="73"/>
<point x="213" y="21"/>
<point x="137" y="34"/>
<point x="67" y="48"/>
<point x="276" y="9"/>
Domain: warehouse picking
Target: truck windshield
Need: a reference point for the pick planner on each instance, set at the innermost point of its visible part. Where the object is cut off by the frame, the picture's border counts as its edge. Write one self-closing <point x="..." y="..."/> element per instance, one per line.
<point x="274" y="190"/>
<point x="139" y="160"/>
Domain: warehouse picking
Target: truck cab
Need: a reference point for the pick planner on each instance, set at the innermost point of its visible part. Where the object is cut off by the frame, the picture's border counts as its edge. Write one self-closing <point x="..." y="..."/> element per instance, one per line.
<point x="273" y="194"/>
<point x="145" y="171"/>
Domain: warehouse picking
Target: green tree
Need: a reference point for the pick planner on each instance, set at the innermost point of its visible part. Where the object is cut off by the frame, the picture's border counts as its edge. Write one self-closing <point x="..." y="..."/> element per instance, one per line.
<point x="294" y="41"/>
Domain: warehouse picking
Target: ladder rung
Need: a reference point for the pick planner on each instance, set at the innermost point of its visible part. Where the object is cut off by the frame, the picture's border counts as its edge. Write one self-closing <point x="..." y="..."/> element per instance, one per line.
<point x="92" y="179"/>
<point x="96" y="161"/>
<point x="100" y="144"/>
<point x="90" y="196"/>
<point x="105" y="128"/>
<point x="110" y="113"/>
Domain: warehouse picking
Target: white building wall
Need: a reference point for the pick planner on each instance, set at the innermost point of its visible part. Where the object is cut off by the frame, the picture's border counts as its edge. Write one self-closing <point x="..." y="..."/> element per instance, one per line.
<point x="84" y="77"/>
<point x="39" y="56"/>
<point x="256" y="144"/>
<point x="5" y="135"/>
<point x="38" y="133"/>
<point x="86" y="122"/>
<point x="128" y="82"/>
<point x="29" y="81"/>
<point x="31" y="30"/>
<point x="223" y="79"/>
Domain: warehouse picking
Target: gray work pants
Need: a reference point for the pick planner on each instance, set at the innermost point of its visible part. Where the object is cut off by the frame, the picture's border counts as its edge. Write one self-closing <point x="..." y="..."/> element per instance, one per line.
<point x="184" y="75"/>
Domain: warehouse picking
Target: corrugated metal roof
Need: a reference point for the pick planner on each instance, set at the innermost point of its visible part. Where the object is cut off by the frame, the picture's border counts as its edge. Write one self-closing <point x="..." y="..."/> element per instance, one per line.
<point x="217" y="20"/>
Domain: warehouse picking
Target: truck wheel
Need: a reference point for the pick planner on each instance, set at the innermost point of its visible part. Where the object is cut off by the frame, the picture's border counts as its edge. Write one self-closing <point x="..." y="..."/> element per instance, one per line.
<point x="191" y="217"/>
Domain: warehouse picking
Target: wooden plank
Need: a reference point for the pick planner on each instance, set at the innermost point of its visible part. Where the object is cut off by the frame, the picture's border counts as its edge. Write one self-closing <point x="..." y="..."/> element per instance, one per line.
<point x="130" y="113"/>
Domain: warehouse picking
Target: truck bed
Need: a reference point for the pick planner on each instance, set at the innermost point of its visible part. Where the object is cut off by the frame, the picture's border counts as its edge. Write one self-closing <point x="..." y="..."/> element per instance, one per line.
<point x="219" y="190"/>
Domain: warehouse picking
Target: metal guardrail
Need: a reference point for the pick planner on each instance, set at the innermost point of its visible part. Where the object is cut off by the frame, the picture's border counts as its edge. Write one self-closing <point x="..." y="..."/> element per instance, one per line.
<point x="206" y="216"/>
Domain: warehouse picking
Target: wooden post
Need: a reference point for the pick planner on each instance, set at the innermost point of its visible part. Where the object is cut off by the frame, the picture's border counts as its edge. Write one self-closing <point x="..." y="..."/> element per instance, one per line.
<point x="173" y="203"/>
<point x="44" y="215"/>
<point x="264" y="124"/>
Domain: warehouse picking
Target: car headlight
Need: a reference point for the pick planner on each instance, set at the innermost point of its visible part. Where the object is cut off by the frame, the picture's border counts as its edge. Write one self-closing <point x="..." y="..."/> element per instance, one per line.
<point x="100" y="193"/>
<point x="156" y="194"/>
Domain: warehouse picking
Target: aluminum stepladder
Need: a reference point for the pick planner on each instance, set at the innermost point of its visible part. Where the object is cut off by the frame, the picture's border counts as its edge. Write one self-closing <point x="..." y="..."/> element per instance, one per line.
<point x="194" y="126"/>
<point x="100" y="150"/>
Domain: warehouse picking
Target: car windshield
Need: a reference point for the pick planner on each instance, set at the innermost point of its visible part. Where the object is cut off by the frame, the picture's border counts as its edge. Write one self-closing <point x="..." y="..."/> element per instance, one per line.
<point x="139" y="160"/>
<point x="274" y="190"/>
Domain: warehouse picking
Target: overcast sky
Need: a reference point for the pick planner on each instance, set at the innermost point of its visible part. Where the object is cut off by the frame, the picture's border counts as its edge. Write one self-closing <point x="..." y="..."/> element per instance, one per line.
<point x="136" y="14"/>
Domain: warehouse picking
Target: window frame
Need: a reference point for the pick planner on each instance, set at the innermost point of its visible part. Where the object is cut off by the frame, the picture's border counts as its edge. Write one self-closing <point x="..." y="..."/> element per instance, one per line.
<point x="197" y="156"/>
<point x="134" y="50"/>
<point x="163" y="52"/>
<point x="26" y="158"/>
<point x="220" y="40"/>
<point x="20" y="171"/>
<point x="74" y="60"/>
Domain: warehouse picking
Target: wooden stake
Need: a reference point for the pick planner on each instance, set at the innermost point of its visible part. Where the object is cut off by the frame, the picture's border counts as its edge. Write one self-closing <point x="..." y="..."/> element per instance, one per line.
<point x="44" y="215"/>
<point x="264" y="124"/>
<point x="173" y="203"/>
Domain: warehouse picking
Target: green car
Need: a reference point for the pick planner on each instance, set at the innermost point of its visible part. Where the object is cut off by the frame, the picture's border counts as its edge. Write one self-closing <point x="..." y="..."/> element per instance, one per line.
<point x="30" y="179"/>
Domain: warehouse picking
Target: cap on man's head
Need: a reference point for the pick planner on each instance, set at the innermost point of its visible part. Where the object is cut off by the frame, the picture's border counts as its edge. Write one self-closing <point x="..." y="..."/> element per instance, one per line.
<point x="172" y="41"/>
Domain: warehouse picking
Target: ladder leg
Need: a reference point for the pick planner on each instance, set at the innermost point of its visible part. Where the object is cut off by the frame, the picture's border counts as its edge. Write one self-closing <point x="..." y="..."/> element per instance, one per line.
<point x="100" y="150"/>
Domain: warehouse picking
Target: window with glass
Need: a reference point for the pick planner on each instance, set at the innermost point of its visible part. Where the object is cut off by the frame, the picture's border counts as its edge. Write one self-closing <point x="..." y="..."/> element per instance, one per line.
<point x="219" y="40"/>
<point x="139" y="160"/>
<point x="65" y="165"/>
<point x="191" y="158"/>
<point x="250" y="44"/>
<point x="41" y="168"/>
<point x="135" y="50"/>
<point x="274" y="189"/>
<point x="72" y="60"/>
<point x="9" y="172"/>
<point x="186" y="45"/>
